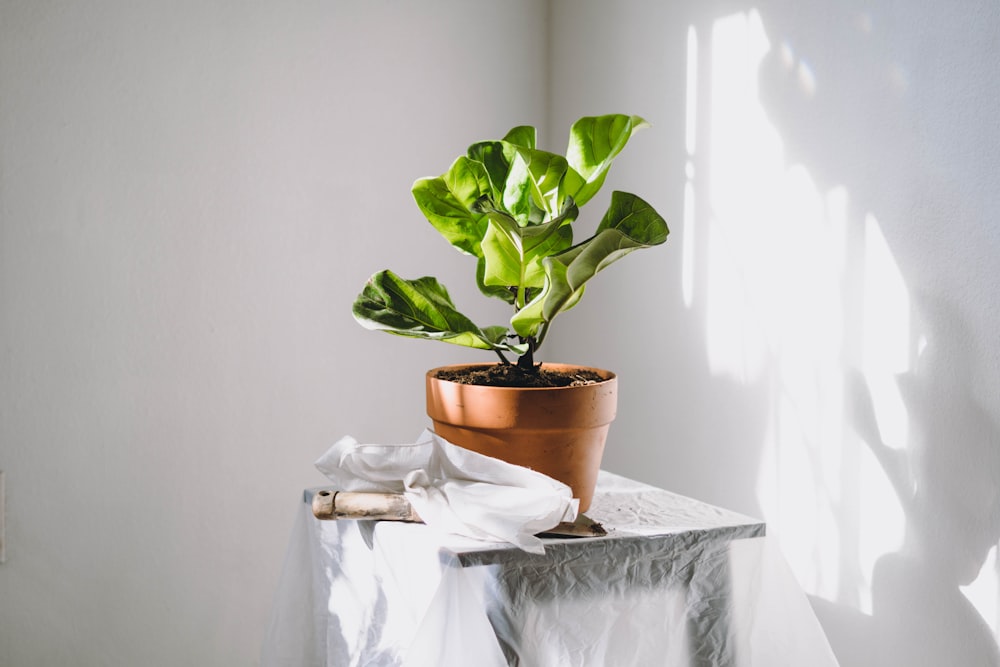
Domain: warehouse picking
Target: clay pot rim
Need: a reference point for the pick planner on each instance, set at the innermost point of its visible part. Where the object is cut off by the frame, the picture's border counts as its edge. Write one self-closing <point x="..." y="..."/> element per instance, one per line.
<point x="609" y="376"/>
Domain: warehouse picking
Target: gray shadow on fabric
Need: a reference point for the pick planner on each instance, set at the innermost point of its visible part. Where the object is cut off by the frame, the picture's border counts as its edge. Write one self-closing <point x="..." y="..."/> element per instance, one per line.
<point x="692" y="565"/>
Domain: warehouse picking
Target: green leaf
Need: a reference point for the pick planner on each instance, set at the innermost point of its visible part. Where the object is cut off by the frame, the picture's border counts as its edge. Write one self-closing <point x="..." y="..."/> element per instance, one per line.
<point x="495" y="158"/>
<point x="419" y="308"/>
<point x="513" y="254"/>
<point x="594" y="142"/>
<point x="629" y="224"/>
<point x="467" y="181"/>
<point x="500" y="336"/>
<point x="502" y="252"/>
<point x="531" y="320"/>
<point x="445" y="201"/>
<point x="502" y="292"/>
<point x="522" y="135"/>
<point x="543" y="176"/>
<point x="634" y="218"/>
<point x="517" y="200"/>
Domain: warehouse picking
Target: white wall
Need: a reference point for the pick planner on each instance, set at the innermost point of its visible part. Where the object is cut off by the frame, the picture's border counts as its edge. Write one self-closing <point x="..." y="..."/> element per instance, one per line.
<point x="191" y="194"/>
<point x="832" y="193"/>
<point x="188" y="206"/>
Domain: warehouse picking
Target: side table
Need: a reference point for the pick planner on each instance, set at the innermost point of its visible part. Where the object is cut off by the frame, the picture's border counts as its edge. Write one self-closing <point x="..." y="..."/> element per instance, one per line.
<point x="676" y="582"/>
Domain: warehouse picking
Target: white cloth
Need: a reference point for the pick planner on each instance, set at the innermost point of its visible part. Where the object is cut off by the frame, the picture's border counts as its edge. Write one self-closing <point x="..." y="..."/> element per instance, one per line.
<point x="454" y="490"/>
<point x="676" y="583"/>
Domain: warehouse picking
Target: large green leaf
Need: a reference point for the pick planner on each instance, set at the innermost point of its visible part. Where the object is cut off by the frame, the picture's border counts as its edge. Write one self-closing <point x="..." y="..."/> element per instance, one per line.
<point x="503" y="292"/>
<point x="629" y="224"/>
<point x="513" y="254"/>
<point x="495" y="158"/>
<point x="594" y="142"/>
<point x="522" y="135"/>
<point x="540" y="175"/>
<point x="420" y="308"/>
<point x="531" y="321"/>
<point x="467" y="181"/>
<point x="446" y="200"/>
<point x="518" y="200"/>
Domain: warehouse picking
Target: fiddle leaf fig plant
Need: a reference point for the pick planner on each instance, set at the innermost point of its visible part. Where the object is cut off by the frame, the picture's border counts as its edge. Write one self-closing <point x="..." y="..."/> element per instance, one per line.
<point x="512" y="207"/>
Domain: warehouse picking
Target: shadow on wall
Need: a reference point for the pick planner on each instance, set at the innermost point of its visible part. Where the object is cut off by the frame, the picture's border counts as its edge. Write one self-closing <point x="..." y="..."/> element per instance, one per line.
<point x="869" y="111"/>
<point x="945" y="479"/>
<point x="856" y="134"/>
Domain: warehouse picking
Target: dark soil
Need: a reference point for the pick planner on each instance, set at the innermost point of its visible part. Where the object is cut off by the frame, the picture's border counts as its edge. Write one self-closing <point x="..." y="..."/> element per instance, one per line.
<point x="509" y="375"/>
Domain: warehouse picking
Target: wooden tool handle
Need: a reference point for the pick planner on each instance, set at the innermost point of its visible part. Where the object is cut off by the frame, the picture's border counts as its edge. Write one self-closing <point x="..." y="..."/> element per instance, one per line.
<point x="328" y="504"/>
<point x="374" y="506"/>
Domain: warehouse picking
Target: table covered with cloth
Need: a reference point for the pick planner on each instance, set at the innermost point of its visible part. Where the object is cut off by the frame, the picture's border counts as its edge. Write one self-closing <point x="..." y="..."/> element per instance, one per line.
<point x="676" y="582"/>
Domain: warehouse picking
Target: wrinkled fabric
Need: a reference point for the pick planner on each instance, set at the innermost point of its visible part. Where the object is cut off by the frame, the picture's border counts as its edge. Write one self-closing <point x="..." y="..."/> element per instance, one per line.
<point x="676" y="583"/>
<point x="455" y="491"/>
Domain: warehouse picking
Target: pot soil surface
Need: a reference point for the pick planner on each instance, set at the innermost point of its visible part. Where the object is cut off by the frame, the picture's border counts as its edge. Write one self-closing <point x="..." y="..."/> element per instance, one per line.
<point x="509" y="375"/>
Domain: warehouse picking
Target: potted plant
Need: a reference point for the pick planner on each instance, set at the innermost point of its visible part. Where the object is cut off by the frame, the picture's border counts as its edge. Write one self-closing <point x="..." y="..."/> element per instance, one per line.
<point x="512" y="207"/>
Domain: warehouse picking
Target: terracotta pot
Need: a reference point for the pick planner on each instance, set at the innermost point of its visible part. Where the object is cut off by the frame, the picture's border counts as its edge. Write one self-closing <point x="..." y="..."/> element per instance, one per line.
<point x="557" y="431"/>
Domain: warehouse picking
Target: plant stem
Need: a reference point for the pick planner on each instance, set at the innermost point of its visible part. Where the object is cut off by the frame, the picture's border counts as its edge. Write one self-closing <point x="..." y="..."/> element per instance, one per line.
<point x="526" y="362"/>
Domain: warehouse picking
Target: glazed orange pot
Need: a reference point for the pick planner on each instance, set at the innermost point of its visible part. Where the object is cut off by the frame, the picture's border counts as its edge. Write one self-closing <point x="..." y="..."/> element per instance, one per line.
<point x="558" y="431"/>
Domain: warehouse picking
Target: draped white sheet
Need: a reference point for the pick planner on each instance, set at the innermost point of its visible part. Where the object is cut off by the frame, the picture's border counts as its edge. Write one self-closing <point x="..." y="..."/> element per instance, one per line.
<point x="675" y="583"/>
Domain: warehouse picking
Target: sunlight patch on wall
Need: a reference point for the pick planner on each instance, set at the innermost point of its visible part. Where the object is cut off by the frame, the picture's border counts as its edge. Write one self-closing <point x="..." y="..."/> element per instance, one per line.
<point x="690" y="145"/>
<point x="743" y="152"/>
<point x="886" y="352"/>
<point x="803" y="302"/>
<point x="779" y="260"/>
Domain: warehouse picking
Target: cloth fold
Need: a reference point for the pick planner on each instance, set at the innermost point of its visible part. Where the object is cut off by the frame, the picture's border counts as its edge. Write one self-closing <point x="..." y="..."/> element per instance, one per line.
<point x="455" y="490"/>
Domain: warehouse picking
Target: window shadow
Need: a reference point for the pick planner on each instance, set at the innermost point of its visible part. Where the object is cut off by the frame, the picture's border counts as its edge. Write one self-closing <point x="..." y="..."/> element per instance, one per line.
<point x="945" y="479"/>
<point x="886" y="103"/>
